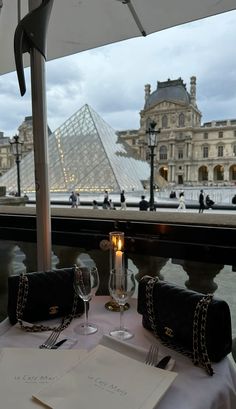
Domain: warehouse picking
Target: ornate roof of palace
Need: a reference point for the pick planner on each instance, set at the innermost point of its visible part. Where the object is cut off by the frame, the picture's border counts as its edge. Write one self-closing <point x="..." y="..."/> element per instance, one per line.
<point x="84" y="154"/>
<point x="29" y="120"/>
<point x="171" y="90"/>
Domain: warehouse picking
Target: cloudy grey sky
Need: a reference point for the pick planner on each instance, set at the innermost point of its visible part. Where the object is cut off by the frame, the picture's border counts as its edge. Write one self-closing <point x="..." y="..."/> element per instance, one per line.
<point x="111" y="79"/>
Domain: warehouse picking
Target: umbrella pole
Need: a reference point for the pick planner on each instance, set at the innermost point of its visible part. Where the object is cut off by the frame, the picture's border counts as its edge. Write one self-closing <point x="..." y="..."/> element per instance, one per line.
<point x="40" y="135"/>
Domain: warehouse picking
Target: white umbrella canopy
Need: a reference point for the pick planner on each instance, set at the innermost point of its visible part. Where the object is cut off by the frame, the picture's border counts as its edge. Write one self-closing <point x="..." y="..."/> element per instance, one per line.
<point x="79" y="25"/>
<point x="75" y="26"/>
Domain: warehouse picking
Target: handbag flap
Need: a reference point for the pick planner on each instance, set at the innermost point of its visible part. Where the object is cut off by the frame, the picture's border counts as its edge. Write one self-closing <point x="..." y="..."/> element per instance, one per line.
<point x="173" y="310"/>
<point x="50" y="295"/>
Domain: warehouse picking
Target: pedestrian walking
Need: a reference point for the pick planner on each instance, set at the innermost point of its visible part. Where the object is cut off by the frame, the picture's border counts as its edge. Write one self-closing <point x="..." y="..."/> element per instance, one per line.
<point x="209" y="202"/>
<point x="143" y="204"/>
<point x="201" y="201"/>
<point x="106" y="203"/>
<point x="73" y="199"/>
<point x="122" y="200"/>
<point x="182" y="205"/>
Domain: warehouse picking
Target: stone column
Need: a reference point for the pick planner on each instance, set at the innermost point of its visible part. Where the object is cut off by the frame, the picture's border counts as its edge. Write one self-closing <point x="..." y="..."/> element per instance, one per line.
<point x="201" y="275"/>
<point x="148" y="265"/>
<point x="67" y="256"/>
<point x="30" y="260"/>
<point x="210" y="173"/>
<point x="30" y="252"/>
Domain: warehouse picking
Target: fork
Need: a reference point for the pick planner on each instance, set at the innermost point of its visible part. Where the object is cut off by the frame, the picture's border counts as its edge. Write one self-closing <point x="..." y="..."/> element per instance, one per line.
<point x="152" y="355"/>
<point x="51" y="340"/>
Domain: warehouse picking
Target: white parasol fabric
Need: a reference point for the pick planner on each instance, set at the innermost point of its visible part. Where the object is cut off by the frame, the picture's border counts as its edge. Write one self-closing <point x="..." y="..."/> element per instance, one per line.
<point x="79" y="25"/>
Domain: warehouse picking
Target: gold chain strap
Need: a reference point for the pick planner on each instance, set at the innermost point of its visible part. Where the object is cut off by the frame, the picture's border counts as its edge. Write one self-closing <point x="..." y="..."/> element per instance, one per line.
<point x="199" y="334"/>
<point x="199" y="337"/>
<point x="150" y="304"/>
<point x="23" y="291"/>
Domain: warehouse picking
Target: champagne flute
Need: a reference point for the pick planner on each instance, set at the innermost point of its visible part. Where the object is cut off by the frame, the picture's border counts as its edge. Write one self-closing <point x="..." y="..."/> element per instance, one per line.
<point x="86" y="284"/>
<point x="121" y="287"/>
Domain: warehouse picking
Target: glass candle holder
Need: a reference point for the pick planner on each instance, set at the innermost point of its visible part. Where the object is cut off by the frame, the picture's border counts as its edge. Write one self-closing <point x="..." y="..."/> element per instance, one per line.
<point x="117" y="243"/>
<point x="117" y="263"/>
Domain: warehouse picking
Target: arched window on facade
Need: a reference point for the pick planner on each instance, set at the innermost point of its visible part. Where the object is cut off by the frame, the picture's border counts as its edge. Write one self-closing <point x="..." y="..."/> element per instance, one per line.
<point x="164" y="172"/>
<point x="163" y="152"/>
<point x="218" y="173"/>
<point x="232" y="173"/>
<point x="164" y="121"/>
<point x="202" y="174"/>
<point x="220" y="151"/>
<point x="181" y="119"/>
<point x="205" y="151"/>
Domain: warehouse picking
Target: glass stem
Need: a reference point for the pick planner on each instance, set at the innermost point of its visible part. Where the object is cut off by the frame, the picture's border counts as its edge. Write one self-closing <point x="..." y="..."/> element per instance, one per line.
<point x="86" y="304"/>
<point x="121" y="317"/>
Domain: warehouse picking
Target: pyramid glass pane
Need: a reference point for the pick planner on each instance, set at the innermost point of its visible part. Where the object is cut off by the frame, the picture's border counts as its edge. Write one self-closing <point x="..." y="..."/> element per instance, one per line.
<point x="84" y="155"/>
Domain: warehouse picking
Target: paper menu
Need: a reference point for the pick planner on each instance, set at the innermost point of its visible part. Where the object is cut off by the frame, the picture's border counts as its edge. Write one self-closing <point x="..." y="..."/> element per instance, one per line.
<point x="107" y="379"/>
<point x="23" y="371"/>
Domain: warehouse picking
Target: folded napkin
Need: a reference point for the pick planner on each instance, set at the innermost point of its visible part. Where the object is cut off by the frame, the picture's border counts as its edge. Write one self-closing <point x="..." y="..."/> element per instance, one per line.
<point x="23" y="371"/>
<point x="132" y="351"/>
<point x="106" y="378"/>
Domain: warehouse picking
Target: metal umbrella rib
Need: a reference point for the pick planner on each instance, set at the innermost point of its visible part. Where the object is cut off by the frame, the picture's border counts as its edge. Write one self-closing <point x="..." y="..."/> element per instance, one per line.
<point x="134" y="15"/>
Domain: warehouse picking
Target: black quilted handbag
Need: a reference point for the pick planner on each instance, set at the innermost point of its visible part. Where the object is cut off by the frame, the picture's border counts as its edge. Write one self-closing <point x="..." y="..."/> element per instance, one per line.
<point x="42" y="296"/>
<point x="195" y="324"/>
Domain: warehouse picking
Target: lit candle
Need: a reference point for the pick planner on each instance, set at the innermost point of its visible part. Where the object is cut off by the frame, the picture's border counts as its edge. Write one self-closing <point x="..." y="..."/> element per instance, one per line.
<point x="117" y="251"/>
<point x="119" y="258"/>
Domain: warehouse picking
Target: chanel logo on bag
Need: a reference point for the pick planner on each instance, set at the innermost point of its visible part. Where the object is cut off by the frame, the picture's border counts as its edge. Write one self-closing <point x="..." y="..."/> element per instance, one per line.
<point x="169" y="332"/>
<point x="53" y="310"/>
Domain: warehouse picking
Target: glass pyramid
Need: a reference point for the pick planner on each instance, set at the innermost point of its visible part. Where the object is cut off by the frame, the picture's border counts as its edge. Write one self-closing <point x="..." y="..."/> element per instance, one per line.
<point x="84" y="155"/>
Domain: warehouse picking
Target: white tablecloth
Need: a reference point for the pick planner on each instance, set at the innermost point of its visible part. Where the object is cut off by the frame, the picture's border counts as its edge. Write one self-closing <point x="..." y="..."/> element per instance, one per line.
<point x="192" y="389"/>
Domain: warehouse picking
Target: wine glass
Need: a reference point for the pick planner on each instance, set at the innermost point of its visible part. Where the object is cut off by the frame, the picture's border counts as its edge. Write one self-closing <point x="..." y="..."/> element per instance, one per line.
<point x="86" y="284"/>
<point x="121" y="287"/>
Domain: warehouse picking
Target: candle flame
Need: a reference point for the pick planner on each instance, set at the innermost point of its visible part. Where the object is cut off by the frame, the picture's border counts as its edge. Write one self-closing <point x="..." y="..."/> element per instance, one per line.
<point x="119" y="244"/>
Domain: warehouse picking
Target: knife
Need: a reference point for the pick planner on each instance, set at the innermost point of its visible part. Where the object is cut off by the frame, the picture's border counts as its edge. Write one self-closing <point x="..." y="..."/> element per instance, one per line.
<point x="59" y="343"/>
<point x="163" y="362"/>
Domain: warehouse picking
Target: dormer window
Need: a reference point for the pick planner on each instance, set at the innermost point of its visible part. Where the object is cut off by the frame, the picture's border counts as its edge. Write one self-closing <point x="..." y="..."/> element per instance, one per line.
<point x="164" y="121"/>
<point x="181" y="119"/>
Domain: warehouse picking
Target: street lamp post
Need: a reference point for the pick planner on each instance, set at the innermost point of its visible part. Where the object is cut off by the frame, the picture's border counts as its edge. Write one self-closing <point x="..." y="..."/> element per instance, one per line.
<point x="152" y="143"/>
<point x="16" y="150"/>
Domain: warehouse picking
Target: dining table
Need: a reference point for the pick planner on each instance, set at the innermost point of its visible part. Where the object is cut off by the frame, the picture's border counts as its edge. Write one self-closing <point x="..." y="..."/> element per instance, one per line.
<point x="192" y="388"/>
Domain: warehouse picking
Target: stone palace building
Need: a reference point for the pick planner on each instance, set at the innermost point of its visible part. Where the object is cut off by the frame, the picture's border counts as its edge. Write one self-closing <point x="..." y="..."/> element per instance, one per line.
<point x="187" y="152"/>
<point x="25" y="132"/>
